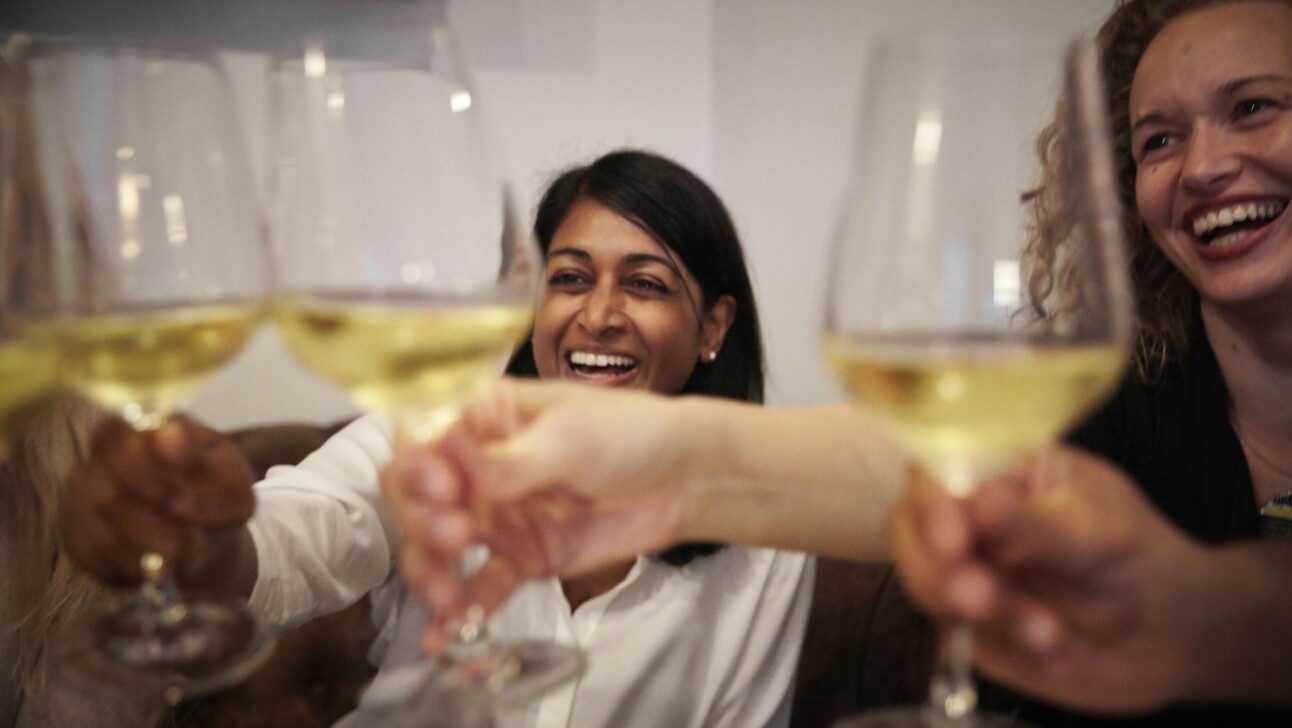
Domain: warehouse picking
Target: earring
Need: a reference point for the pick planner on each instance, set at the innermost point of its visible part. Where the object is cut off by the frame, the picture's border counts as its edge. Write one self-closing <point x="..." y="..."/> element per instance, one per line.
<point x="711" y="356"/>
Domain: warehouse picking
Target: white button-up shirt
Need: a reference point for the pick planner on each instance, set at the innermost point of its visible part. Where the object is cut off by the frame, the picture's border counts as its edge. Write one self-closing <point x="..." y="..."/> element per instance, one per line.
<point x="710" y="644"/>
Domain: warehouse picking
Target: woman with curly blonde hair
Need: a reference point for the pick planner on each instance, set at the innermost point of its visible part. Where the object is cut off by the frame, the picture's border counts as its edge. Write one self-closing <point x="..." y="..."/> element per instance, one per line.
<point x="1165" y="300"/>
<point x="41" y="591"/>
<point x="1204" y="166"/>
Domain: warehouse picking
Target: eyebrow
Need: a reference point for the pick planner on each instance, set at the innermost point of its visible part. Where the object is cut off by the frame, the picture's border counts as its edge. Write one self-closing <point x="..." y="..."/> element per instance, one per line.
<point x="1236" y="85"/>
<point x="1229" y="88"/>
<point x="631" y="259"/>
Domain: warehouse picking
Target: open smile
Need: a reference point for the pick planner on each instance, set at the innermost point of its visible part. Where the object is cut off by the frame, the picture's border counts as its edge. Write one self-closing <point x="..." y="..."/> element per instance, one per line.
<point x="600" y="366"/>
<point x="1227" y="226"/>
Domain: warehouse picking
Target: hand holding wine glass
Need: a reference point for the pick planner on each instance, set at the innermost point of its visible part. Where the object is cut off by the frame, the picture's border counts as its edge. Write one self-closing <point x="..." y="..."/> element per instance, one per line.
<point x="407" y="276"/>
<point x="150" y="236"/>
<point x="970" y="347"/>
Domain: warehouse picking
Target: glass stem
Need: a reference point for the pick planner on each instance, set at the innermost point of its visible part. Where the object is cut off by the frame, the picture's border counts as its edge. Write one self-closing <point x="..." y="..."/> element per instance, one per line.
<point x="952" y="693"/>
<point x="420" y="428"/>
<point x="159" y="590"/>
<point x="471" y="631"/>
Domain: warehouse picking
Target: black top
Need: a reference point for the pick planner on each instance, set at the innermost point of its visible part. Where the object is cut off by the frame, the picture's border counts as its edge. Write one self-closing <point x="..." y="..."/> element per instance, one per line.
<point x="1175" y="439"/>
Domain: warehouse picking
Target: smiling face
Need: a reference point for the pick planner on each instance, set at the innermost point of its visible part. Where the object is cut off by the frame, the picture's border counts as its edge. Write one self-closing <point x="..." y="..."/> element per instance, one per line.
<point x="1211" y="120"/>
<point x="619" y="309"/>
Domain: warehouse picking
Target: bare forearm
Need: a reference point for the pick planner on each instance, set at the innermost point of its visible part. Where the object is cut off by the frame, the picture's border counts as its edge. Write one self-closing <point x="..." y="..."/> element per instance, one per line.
<point x="817" y="479"/>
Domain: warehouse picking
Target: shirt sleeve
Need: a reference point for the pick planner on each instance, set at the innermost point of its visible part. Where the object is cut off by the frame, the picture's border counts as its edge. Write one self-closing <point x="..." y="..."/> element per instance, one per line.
<point x="323" y="537"/>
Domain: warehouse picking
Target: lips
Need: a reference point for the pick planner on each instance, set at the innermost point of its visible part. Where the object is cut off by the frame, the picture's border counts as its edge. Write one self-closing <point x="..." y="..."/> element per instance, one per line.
<point x="1224" y="227"/>
<point x="599" y="366"/>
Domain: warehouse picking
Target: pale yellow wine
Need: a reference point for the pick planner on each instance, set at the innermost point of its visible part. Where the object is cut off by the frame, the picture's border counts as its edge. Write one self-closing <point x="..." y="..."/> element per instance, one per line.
<point x="974" y="406"/>
<point x="402" y="354"/>
<point x="28" y="374"/>
<point x="146" y="363"/>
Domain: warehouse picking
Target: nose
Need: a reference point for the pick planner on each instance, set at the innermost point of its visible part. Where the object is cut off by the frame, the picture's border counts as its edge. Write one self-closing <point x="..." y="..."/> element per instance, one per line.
<point x="1211" y="160"/>
<point x="602" y="309"/>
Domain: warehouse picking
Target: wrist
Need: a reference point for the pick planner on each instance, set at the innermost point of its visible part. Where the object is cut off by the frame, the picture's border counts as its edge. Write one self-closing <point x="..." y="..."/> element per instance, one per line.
<point x="700" y="435"/>
<point x="726" y="472"/>
<point x="228" y="564"/>
<point x="706" y="468"/>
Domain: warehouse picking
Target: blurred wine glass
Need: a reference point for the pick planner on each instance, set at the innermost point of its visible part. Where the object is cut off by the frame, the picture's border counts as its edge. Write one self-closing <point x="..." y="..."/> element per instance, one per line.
<point x="934" y="322"/>
<point x="407" y="277"/>
<point x="138" y="210"/>
<point x="28" y="369"/>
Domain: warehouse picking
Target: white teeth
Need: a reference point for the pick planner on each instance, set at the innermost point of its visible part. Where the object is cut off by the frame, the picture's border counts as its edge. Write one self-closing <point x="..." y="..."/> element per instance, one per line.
<point x="1253" y="211"/>
<point x="1224" y="241"/>
<point x="587" y="359"/>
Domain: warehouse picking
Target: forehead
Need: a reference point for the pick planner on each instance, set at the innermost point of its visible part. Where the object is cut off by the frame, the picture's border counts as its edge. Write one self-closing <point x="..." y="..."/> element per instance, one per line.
<point x="1200" y="51"/>
<point x="604" y="234"/>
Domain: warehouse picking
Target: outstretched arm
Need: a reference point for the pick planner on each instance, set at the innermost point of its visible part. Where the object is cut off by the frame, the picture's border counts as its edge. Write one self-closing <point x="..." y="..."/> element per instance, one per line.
<point x="559" y="478"/>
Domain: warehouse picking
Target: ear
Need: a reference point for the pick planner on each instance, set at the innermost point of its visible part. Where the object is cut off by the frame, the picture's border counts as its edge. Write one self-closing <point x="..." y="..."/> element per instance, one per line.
<point x="713" y="328"/>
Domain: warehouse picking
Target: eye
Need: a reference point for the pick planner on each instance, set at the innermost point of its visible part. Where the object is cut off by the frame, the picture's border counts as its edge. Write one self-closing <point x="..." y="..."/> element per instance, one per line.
<point x="564" y="279"/>
<point x="1248" y="107"/>
<point x="648" y="284"/>
<point x="1156" y="141"/>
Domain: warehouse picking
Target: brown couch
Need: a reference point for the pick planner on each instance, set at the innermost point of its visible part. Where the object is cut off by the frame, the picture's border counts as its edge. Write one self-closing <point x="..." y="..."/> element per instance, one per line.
<point x="865" y="645"/>
<point x="317" y="669"/>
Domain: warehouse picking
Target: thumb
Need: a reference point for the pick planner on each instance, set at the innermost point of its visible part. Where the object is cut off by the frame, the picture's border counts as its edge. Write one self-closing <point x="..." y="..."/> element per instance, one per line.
<point x="1049" y="515"/>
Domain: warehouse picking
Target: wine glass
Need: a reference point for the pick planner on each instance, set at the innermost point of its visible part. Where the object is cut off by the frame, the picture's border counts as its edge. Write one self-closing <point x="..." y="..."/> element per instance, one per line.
<point x="406" y="274"/>
<point x="28" y="369"/>
<point x="936" y="321"/>
<point x="146" y="226"/>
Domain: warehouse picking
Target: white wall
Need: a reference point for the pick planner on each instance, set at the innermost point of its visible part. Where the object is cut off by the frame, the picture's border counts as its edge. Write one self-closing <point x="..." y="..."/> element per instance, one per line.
<point x="786" y="81"/>
<point x="563" y="81"/>
<point x="757" y="96"/>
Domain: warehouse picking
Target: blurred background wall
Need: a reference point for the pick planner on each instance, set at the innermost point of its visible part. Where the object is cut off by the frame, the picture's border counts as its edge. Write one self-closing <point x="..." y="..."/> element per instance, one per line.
<point x="758" y="97"/>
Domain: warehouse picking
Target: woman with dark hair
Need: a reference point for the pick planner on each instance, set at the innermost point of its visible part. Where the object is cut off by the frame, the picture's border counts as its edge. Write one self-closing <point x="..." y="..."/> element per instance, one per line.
<point x="644" y="288"/>
<point x="646" y="190"/>
<point x="680" y="211"/>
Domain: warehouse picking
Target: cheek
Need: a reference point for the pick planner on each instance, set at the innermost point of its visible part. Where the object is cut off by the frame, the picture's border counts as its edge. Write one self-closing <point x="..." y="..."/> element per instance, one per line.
<point x="674" y="343"/>
<point x="1153" y="198"/>
<point x="546" y="339"/>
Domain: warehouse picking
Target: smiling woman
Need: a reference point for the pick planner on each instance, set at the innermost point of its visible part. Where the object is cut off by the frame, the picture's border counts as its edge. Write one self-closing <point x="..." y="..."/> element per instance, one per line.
<point x="643" y="242"/>
<point x="621" y="306"/>
<point x="645" y="287"/>
<point x="1211" y="136"/>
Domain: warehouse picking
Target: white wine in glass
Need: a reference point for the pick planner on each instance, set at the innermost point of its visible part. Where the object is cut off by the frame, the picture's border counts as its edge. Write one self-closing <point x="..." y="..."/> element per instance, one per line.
<point x="28" y="376"/>
<point x="147" y="227"/>
<point x="972" y="335"/>
<point x="28" y="368"/>
<point x="406" y="278"/>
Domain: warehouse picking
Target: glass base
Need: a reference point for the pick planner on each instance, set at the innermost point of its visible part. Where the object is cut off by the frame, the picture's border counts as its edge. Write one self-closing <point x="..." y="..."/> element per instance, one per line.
<point x="467" y="690"/>
<point x="181" y="649"/>
<point x="513" y="671"/>
<point x="917" y="717"/>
